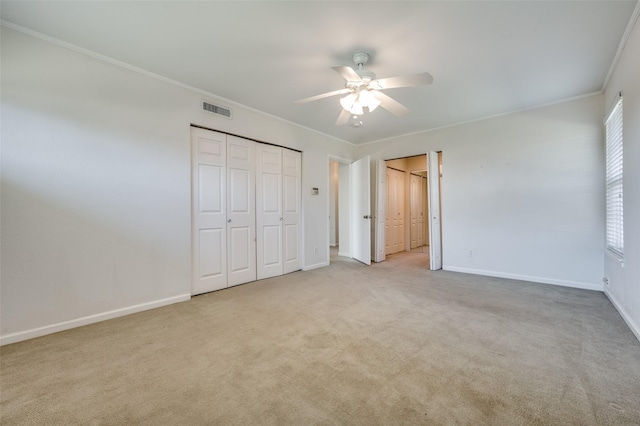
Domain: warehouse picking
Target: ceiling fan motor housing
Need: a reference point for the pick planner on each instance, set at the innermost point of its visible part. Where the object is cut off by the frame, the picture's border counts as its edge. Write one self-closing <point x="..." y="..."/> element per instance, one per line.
<point x="360" y="58"/>
<point x="365" y="75"/>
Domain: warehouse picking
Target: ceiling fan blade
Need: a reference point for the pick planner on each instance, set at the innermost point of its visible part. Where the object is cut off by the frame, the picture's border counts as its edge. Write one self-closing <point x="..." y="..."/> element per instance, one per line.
<point x="343" y="118"/>
<point x="391" y="105"/>
<point x="322" y="96"/>
<point x="347" y="73"/>
<point x="406" y="81"/>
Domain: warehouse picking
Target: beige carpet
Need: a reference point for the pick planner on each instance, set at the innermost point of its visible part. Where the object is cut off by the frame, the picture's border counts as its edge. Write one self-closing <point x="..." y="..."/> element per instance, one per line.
<point x="388" y="344"/>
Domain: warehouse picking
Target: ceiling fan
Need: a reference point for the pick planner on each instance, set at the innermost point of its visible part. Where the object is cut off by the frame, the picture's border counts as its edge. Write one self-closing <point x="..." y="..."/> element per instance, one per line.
<point x="365" y="91"/>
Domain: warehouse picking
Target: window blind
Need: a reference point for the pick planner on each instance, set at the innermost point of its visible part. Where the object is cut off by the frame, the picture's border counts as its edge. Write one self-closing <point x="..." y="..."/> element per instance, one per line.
<point x="614" y="172"/>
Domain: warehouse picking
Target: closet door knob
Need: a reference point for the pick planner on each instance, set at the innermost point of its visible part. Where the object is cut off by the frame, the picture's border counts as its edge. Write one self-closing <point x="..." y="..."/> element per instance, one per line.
<point x="229" y="221"/>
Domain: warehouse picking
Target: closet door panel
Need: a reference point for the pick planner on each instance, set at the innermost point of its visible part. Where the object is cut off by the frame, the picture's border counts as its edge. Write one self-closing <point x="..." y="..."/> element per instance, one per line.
<point x="269" y="217"/>
<point x="292" y="248"/>
<point x="208" y="210"/>
<point x="239" y="191"/>
<point x="209" y="190"/>
<point x="271" y="193"/>
<point x="241" y="248"/>
<point x="211" y="244"/>
<point x="291" y="196"/>
<point x="271" y="235"/>
<point x="292" y="173"/>
<point x="240" y="259"/>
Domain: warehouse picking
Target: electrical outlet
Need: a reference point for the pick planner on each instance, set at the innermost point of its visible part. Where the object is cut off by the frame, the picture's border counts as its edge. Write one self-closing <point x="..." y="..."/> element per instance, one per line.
<point x="315" y="250"/>
<point x="470" y="253"/>
<point x="605" y="280"/>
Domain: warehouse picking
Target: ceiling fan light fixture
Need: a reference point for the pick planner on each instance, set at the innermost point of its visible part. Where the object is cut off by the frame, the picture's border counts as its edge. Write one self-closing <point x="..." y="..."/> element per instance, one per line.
<point x="351" y="103"/>
<point x="373" y="105"/>
<point x="348" y="101"/>
<point x="356" y="109"/>
<point x="368" y="99"/>
<point x="364" y="90"/>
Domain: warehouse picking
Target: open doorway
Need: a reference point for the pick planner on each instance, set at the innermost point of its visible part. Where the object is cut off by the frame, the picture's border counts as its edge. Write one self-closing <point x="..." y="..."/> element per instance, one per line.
<point x="412" y="207"/>
<point x="406" y="205"/>
<point x="356" y="189"/>
<point x="339" y="222"/>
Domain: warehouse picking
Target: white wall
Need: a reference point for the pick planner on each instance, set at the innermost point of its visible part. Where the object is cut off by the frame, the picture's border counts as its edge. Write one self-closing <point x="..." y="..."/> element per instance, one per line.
<point x="523" y="191"/>
<point x="624" y="281"/>
<point x="96" y="186"/>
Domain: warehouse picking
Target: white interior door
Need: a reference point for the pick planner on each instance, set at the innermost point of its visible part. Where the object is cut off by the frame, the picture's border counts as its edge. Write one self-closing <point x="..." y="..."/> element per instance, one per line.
<point x="208" y="209"/>
<point x="361" y="210"/>
<point x="292" y="237"/>
<point x="435" y="241"/>
<point x="380" y="211"/>
<point x="241" y="212"/>
<point x="269" y="217"/>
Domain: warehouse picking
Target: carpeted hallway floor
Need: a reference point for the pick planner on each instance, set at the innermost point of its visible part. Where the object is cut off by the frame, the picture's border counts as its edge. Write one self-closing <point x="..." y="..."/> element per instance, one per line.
<point x="388" y="344"/>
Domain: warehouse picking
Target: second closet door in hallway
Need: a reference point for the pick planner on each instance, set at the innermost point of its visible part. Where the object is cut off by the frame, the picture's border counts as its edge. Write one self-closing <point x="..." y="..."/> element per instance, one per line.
<point x="416" y="211"/>
<point x="394" y="220"/>
<point x="278" y="210"/>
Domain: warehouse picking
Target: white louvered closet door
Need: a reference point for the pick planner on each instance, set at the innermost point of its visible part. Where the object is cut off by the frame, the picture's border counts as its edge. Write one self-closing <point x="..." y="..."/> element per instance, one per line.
<point x="241" y="213"/>
<point x="292" y="237"/>
<point x="269" y="219"/>
<point x="208" y="209"/>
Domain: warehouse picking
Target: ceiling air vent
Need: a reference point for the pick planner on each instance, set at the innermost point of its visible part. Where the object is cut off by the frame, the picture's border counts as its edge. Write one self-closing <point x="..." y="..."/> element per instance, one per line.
<point x="216" y="109"/>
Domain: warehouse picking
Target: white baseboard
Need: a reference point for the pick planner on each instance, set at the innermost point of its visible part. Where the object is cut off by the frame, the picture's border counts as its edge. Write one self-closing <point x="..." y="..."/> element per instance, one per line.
<point x="79" y="322"/>
<point x="635" y="329"/>
<point x="316" y="266"/>
<point x="541" y="280"/>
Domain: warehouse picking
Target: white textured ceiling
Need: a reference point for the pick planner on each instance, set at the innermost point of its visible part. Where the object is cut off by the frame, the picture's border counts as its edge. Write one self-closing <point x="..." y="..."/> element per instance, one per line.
<point x="486" y="57"/>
